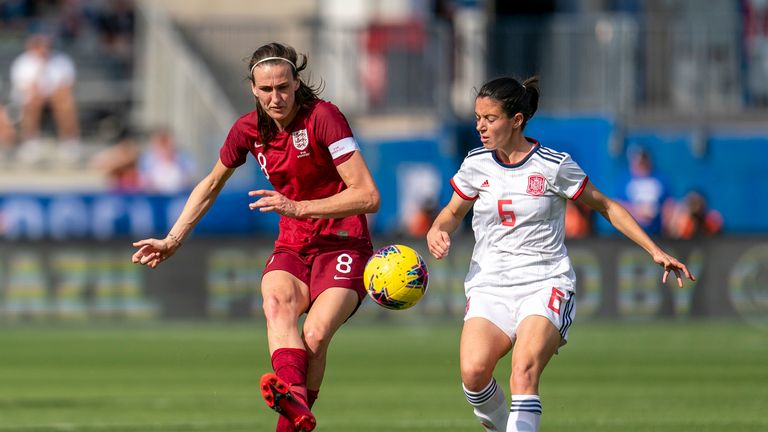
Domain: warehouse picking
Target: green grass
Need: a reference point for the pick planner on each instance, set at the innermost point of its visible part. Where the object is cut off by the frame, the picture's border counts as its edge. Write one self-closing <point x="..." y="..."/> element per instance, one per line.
<point x="672" y="377"/>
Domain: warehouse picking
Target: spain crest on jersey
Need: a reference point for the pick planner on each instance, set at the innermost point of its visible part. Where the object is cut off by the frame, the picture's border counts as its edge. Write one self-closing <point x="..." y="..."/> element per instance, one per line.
<point x="300" y="139"/>
<point x="536" y="185"/>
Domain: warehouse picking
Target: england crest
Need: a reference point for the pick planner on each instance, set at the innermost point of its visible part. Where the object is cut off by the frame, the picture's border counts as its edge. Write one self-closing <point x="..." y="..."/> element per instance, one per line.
<point x="536" y="185"/>
<point x="300" y="139"/>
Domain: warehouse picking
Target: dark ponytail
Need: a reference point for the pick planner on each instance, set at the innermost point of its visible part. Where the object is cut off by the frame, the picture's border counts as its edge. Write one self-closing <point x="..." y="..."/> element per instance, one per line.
<point x="513" y="96"/>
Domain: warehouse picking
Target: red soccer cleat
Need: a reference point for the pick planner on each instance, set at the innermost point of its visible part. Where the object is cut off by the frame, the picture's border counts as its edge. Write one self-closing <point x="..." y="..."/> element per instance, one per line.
<point x="279" y="397"/>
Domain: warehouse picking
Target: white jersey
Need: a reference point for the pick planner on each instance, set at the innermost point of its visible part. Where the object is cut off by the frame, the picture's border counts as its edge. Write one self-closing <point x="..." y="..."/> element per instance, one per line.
<point x="519" y="216"/>
<point x="29" y="71"/>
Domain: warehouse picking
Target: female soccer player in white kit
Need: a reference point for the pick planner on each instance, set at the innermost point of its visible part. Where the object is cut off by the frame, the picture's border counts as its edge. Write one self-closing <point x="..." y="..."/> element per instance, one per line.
<point x="520" y="284"/>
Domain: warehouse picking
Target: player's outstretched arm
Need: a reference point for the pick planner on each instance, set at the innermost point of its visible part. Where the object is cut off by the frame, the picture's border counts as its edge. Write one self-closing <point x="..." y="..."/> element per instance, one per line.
<point x="620" y="218"/>
<point x="438" y="236"/>
<point x="154" y="251"/>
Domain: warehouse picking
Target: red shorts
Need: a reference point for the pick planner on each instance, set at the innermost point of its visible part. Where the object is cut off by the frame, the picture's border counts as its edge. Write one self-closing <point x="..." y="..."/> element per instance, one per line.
<point x="340" y="268"/>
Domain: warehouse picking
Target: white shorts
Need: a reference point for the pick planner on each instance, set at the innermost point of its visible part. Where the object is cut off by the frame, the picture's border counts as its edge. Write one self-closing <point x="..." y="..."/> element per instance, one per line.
<point x="507" y="308"/>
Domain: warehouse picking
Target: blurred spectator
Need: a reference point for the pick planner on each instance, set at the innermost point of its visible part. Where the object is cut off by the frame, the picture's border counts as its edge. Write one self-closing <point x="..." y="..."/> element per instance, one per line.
<point x="15" y="14"/>
<point x="755" y="22"/>
<point x="116" y="27"/>
<point x="417" y="206"/>
<point x="73" y="23"/>
<point x="7" y="132"/>
<point x="444" y="14"/>
<point x="693" y="218"/>
<point x="102" y="27"/>
<point x="43" y="78"/>
<point x="520" y="53"/>
<point x="644" y="192"/>
<point x="578" y="220"/>
<point x="394" y="49"/>
<point x="163" y="167"/>
<point x="120" y="164"/>
<point x="421" y="221"/>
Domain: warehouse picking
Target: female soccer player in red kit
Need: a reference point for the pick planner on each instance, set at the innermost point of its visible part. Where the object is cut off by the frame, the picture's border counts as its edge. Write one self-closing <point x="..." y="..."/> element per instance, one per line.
<point x="322" y="191"/>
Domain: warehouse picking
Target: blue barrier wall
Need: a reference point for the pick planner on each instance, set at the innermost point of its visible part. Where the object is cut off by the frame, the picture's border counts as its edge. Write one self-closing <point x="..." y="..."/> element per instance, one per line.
<point x="727" y="167"/>
<point x="586" y="139"/>
<point x="727" y="170"/>
<point x="735" y="183"/>
<point x="388" y="158"/>
<point x="104" y="216"/>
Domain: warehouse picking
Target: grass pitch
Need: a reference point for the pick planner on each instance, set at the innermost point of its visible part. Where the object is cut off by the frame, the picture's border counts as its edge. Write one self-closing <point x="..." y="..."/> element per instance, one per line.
<point x="673" y="377"/>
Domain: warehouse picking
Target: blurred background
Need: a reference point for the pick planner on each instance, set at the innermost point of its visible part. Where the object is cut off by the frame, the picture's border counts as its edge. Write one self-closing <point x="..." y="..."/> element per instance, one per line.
<point x="664" y="103"/>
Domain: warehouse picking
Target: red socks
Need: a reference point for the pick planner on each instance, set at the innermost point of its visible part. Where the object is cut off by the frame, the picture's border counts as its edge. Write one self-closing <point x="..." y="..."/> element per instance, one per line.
<point x="290" y="364"/>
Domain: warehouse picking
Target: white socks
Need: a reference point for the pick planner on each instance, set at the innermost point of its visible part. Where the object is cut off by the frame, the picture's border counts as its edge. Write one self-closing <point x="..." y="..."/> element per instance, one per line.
<point x="490" y="406"/>
<point x="524" y="413"/>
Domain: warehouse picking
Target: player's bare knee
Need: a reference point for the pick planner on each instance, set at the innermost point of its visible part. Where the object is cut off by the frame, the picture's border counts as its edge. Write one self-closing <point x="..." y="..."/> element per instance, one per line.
<point x="525" y="377"/>
<point x="475" y="375"/>
<point x="279" y="306"/>
<point x="317" y="339"/>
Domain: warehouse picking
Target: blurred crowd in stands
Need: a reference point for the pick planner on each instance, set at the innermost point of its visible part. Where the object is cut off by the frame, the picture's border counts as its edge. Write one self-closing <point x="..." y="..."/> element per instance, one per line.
<point x="158" y="167"/>
<point x="645" y="194"/>
<point x="40" y="118"/>
<point x="106" y="26"/>
<point x="42" y="121"/>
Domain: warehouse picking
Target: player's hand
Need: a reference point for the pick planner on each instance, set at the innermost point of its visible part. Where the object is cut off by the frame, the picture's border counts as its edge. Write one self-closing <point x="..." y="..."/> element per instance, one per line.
<point x="153" y="251"/>
<point x="671" y="264"/>
<point x="438" y="242"/>
<point x="272" y="201"/>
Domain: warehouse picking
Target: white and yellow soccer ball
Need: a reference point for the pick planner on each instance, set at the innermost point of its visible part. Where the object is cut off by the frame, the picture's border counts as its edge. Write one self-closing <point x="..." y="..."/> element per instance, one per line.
<point x="396" y="277"/>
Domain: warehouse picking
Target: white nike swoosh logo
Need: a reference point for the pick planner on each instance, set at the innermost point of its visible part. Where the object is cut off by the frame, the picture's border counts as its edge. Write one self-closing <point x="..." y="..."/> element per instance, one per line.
<point x="344" y="277"/>
<point x="258" y="145"/>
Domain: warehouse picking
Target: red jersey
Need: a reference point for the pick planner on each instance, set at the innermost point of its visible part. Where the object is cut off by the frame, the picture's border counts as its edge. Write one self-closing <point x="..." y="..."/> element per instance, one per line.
<point x="300" y="163"/>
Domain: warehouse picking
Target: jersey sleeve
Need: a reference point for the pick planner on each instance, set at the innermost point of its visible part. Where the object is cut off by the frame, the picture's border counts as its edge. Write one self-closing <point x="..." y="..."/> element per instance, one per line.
<point x="332" y="130"/>
<point x="462" y="182"/>
<point x="234" y="151"/>
<point x="570" y="179"/>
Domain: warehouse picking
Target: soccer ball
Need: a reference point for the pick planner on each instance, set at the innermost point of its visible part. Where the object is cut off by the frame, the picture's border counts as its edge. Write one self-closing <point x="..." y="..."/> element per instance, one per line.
<point x="396" y="277"/>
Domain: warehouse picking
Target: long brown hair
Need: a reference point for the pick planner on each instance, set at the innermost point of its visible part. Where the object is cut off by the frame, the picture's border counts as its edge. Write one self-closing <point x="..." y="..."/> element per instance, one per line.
<point x="304" y="94"/>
